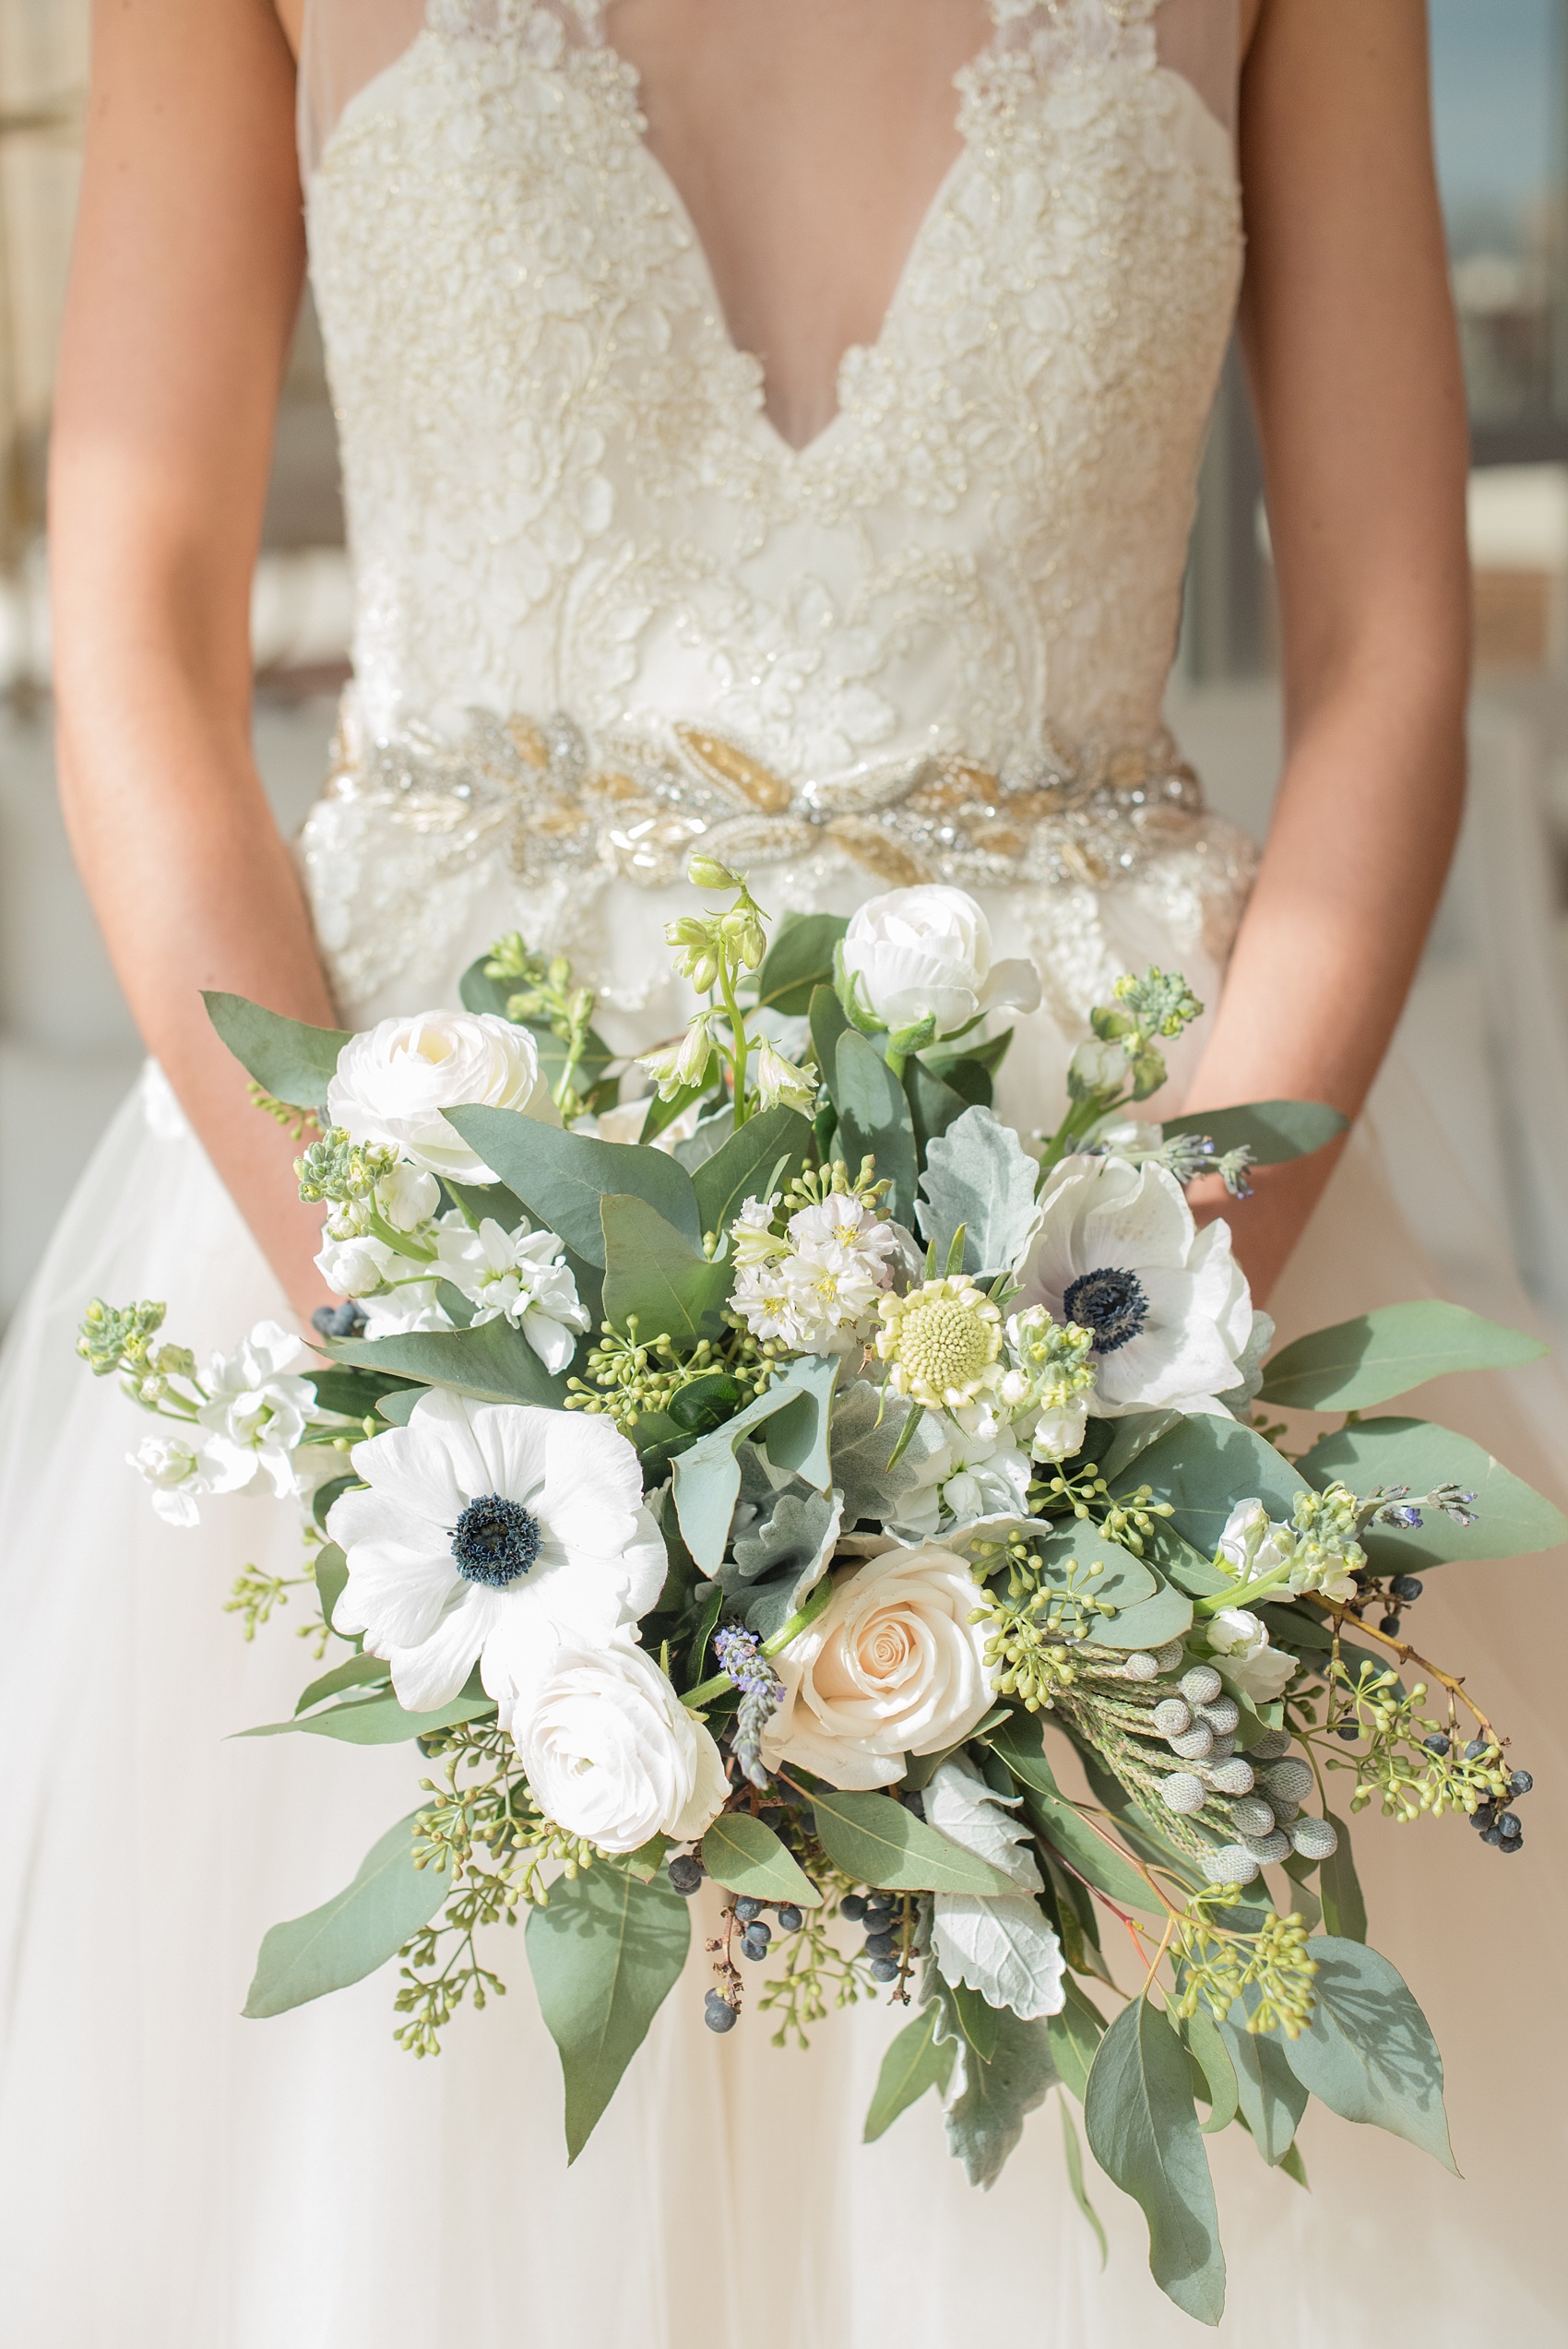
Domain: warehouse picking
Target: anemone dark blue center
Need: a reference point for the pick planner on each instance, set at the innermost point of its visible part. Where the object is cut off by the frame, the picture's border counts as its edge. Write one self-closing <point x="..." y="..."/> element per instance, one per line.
<point x="1111" y="1303"/>
<point x="495" y="1541"/>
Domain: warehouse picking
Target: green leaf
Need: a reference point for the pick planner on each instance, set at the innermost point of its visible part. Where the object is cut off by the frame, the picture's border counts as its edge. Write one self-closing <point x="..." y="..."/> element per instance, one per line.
<point x="331" y="1574"/>
<point x="917" y="2061"/>
<point x="1339" y="1889"/>
<point x="352" y="1934"/>
<point x="1149" y="1611"/>
<point x="1269" y="2097"/>
<point x="1020" y="1744"/>
<point x="358" y="1672"/>
<point x="494" y="1363"/>
<point x="875" y="1841"/>
<point x="561" y="1177"/>
<point x="1072" y="2154"/>
<point x="293" y="1061"/>
<point x="934" y="1105"/>
<point x="742" y="1855"/>
<point x="1074" y="2036"/>
<point x="1224" y="2096"/>
<point x="1368" y="2052"/>
<point x="1294" y="2166"/>
<point x="1512" y="1519"/>
<point x="655" y="1274"/>
<point x="873" y="1115"/>
<point x="1385" y="1353"/>
<point x="739" y="1169"/>
<point x="979" y="1175"/>
<point x="977" y="2022"/>
<point x="1203" y="1466"/>
<point x="604" y="1956"/>
<point x="829" y="1021"/>
<point x="798" y="961"/>
<point x="986" y="2119"/>
<point x="1145" y="2134"/>
<point x="1272" y="1130"/>
<point x="355" y="1393"/>
<point x="376" y="1721"/>
<point x="707" y="1474"/>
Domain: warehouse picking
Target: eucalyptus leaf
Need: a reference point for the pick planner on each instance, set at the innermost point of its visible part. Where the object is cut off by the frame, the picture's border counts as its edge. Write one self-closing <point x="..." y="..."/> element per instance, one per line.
<point x="1512" y="1519"/>
<point x="1144" y="2130"/>
<point x="1149" y="1612"/>
<point x="741" y="1169"/>
<point x="874" y="1839"/>
<point x="561" y="1177"/>
<point x="493" y="1363"/>
<point x="1224" y="2095"/>
<point x="798" y="961"/>
<point x="975" y="2017"/>
<point x="916" y="2061"/>
<point x="1269" y="2097"/>
<point x="1272" y="1130"/>
<point x="331" y="1574"/>
<point x="353" y="1934"/>
<point x="356" y="1393"/>
<point x="742" y="1854"/>
<point x="1339" y="1889"/>
<point x="1368" y="2052"/>
<point x="1019" y="1742"/>
<point x="1387" y="1352"/>
<point x="985" y="2119"/>
<point x="829" y="1021"/>
<point x="376" y="1721"/>
<point x="708" y="1475"/>
<point x="356" y="1672"/>
<point x="1203" y="1466"/>
<point x="655" y="1275"/>
<point x="979" y="1174"/>
<point x="1074" y="2035"/>
<point x="873" y="1116"/>
<point x="1072" y="2154"/>
<point x="604" y="1956"/>
<point x="934" y="1105"/>
<point x="712" y="1134"/>
<point x="292" y="1062"/>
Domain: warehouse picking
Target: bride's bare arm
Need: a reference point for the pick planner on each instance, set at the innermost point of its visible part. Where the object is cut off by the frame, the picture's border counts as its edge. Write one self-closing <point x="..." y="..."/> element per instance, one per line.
<point x="183" y="288"/>
<point x="1349" y="337"/>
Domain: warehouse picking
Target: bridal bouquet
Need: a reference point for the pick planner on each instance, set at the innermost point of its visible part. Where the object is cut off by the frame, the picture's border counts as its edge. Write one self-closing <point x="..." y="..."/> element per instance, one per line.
<point x="793" y="1498"/>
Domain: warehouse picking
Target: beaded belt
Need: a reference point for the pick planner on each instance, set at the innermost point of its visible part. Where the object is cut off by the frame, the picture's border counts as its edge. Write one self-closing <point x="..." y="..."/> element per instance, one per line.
<point x="637" y="803"/>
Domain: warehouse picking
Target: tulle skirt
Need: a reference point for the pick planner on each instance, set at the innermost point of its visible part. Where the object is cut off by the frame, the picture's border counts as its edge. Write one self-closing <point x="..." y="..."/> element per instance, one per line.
<point x="172" y="2177"/>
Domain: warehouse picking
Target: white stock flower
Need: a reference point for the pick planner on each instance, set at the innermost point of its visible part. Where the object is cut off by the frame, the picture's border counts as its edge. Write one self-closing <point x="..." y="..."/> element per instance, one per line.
<point x="393" y="1082"/>
<point x="1003" y="1947"/>
<point x="1241" y="1641"/>
<point x="353" y="1267"/>
<point x="181" y="1472"/>
<point x="893" y="1666"/>
<point x="407" y="1198"/>
<point x="257" y="1410"/>
<point x="753" y="1239"/>
<point x="494" y="1533"/>
<point x="925" y="954"/>
<point x="1319" y="1552"/>
<point x="610" y="1753"/>
<point x="1168" y="1307"/>
<point x="408" y="1303"/>
<point x="818" y="1291"/>
<point x="520" y="1276"/>
<point x="975" y="1468"/>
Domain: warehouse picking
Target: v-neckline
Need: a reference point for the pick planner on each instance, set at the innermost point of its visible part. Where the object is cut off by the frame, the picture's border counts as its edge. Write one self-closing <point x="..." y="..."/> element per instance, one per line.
<point x="662" y="183"/>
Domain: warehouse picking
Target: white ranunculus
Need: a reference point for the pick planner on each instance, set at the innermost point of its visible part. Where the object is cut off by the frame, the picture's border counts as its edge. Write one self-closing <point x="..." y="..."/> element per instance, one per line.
<point x="1003" y="1947"/>
<point x="520" y="1275"/>
<point x="892" y="1667"/>
<point x="919" y="955"/>
<point x="256" y="1409"/>
<point x="1240" y="1643"/>
<point x="610" y="1753"/>
<point x="392" y="1082"/>
<point x="181" y="1472"/>
<point x="494" y="1533"/>
<point x="1118" y="1252"/>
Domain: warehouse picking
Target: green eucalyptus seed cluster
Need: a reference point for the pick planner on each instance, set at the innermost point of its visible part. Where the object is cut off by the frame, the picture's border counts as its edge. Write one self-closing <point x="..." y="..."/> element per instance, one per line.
<point x="119" y="1337"/>
<point x="815" y="1972"/>
<point x="631" y="1377"/>
<point x="1270" y="1971"/>
<point x="545" y="992"/>
<point x="1409" y="1762"/>
<point x="338" y="1171"/>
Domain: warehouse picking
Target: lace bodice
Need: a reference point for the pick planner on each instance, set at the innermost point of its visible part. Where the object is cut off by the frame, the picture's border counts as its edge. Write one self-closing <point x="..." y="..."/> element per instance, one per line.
<point x="587" y="563"/>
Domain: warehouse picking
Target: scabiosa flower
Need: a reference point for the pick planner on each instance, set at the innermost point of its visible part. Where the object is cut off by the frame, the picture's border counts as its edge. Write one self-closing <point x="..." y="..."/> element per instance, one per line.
<point x="520" y="1276"/>
<point x="496" y="1534"/>
<point x="257" y="1410"/>
<point x="1167" y="1306"/>
<point x="941" y="1342"/>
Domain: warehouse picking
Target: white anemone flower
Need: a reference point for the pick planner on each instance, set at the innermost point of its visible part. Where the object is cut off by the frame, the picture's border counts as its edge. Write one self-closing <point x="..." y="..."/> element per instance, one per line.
<point x="1118" y="1252"/>
<point x="496" y="1533"/>
<point x="519" y="1275"/>
<point x="257" y="1410"/>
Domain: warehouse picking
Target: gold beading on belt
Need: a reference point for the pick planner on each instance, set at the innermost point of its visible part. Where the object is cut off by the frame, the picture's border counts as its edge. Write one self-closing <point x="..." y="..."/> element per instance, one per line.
<point x="638" y="802"/>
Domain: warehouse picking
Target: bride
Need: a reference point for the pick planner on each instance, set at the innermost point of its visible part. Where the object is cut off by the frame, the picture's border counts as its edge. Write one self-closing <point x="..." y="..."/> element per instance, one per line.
<point x="781" y="416"/>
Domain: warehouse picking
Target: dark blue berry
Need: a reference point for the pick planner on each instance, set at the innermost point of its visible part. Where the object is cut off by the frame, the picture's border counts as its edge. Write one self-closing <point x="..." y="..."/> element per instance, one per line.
<point x="746" y="1909"/>
<point x="1389" y="1623"/>
<point x="1474" y="1750"/>
<point x="348" y="1320"/>
<point x="1494" y="1836"/>
<point x="1509" y="1825"/>
<point x="1520" y="1782"/>
<point x="717" y="2013"/>
<point x="790" y="1919"/>
<point x="1407" y="1587"/>
<point x="1483" y="1814"/>
<point x="759" y="1932"/>
<point x="880" y="1945"/>
<point x="884" y="1970"/>
<point x="1512" y="1843"/>
<point x="685" y="1875"/>
<point x="852" y="1906"/>
<point x="771" y="1814"/>
<point x="755" y="1950"/>
<point x="1439" y="1744"/>
<point x="1348" y="1731"/>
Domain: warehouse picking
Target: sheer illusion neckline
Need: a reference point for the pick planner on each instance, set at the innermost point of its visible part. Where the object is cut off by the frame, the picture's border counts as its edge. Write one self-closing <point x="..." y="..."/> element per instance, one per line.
<point x="663" y="183"/>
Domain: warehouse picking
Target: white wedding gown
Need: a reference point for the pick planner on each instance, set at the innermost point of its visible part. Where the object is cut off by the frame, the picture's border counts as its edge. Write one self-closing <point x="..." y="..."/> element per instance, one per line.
<point x="604" y="610"/>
